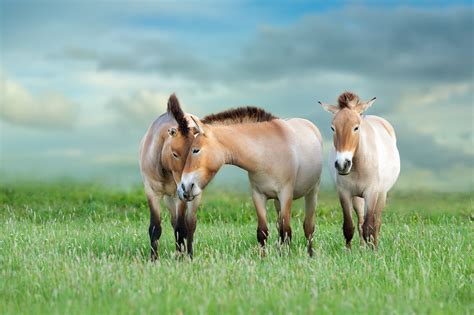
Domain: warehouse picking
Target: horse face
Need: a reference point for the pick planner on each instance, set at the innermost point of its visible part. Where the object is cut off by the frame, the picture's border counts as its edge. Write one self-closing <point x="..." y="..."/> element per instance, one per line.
<point x="345" y="126"/>
<point x="176" y="151"/>
<point x="201" y="165"/>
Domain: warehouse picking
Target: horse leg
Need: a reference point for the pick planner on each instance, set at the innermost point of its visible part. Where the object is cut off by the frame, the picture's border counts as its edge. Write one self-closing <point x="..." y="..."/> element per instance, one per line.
<point x="191" y="219"/>
<point x="277" y="204"/>
<point x="378" y="215"/>
<point x="358" y="204"/>
<point x="286" y="199"/>
<point x="177" y="209"/>
<point x="348" y="225"/>
<point x="260" y="201"/>
<point x="374" y="204"/>
<point x="310" y="201"/>
<point x="154" y="230"/>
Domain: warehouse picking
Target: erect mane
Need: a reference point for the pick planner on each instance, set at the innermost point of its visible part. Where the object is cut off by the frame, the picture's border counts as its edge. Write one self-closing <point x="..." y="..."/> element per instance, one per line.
<point x="348" y="99"/>
<point x="175" y="109"/>
<point x="239" y="115"/>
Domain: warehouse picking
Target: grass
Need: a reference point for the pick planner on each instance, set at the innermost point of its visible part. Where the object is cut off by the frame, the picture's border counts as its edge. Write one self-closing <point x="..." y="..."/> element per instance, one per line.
<point x="82" y="249"/>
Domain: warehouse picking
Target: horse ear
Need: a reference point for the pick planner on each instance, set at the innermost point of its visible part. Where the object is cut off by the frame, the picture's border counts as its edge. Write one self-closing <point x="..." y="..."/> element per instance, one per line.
<point x="329" y="108"/>
<point x="199" y="126"/>
<point x="172" y="132"/>
<point x="362" y="107"/>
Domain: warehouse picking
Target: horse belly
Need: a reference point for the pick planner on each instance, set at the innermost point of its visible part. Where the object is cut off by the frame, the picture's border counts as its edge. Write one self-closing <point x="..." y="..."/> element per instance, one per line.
<point x="308" y="177"/>
<point x="265" y="184"/>
<point x="310" y="168"/>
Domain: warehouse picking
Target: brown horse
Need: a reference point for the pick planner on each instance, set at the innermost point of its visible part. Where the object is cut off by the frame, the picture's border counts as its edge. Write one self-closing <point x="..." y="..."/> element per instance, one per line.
<point x="365" y="164"/>
<point x="283" y="159"/>
<point x="163" y="152"/>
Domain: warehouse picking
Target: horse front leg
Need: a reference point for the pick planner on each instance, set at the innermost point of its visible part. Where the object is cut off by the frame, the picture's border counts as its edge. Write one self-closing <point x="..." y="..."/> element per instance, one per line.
<point x="191" y="220"/>
<point x="154" y="229"/>
<point x="358" y="204"/>
<point x="260" y="200"/>
<point x="348" y="225"/>
<point x="177" y="209"/>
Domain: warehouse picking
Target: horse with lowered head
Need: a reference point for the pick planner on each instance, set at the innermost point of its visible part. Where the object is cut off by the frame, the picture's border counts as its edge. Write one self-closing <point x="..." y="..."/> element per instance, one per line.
<point x="163" y="152"/>
<point x="364" y="163"/>
<point x="283" y="159"/>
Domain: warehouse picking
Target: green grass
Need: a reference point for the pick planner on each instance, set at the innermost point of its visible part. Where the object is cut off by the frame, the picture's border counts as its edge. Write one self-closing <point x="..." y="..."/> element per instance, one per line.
<point x="81" y="249"/>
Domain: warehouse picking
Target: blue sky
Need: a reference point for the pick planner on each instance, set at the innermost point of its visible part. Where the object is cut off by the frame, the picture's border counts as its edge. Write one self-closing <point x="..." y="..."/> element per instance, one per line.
<point x="82" y="80"/>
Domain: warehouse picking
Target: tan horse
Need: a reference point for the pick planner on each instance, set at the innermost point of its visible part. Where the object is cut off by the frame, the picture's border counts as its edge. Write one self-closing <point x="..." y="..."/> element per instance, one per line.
<point x="283" y="159"/>
<point x="365" y="164"/>
<point x="163" y="152"/>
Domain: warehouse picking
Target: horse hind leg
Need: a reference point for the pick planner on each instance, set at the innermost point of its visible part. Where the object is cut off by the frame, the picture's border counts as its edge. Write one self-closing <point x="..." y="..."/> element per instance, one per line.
<point x="359" y="205"/>
<point x="373" y="217"/>
<point x="277" y="204"/>
<point x="378" y="216"/>
<point x="311" y="200"/>
<point x="284" y="217"/>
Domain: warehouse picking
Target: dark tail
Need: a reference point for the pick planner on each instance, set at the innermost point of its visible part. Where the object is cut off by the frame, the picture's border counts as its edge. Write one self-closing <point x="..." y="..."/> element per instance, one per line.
<point x="175" y="109"/>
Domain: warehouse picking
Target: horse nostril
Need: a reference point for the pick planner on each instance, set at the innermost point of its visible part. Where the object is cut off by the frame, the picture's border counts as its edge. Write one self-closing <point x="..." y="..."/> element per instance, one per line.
<point x="347" y="163"/>
<point x="336" y="165"/>
<point x="192" y="186"/>
<point x="182" y="187"/>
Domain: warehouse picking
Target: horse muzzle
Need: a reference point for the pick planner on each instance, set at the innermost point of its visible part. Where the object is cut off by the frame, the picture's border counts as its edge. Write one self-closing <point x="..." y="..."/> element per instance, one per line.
<point x="343" y="167"/>
<point x="184" y="193"/>
<point x="188" y="189"/>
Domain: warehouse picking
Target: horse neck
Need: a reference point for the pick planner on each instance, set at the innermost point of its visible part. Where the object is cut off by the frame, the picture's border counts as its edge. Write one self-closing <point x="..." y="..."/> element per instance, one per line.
<point x="238" y="144"/>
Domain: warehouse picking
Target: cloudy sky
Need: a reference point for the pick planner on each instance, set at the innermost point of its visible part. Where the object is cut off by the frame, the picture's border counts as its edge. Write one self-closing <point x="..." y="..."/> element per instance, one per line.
<point x="81" y="80"/>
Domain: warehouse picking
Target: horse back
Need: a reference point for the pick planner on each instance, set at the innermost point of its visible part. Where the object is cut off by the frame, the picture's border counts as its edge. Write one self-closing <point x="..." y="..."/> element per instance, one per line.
<point x="379" y="121"/>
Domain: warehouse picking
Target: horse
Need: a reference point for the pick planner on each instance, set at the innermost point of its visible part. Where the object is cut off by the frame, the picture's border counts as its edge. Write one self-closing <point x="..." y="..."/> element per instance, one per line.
<point x="283" y="159"/>
<point x="364" y="163"/>
<point x="163" y="152"/>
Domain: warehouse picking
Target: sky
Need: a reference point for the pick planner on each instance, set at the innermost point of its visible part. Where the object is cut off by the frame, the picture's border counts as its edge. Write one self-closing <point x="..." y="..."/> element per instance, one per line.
<point x="81" y="81"/>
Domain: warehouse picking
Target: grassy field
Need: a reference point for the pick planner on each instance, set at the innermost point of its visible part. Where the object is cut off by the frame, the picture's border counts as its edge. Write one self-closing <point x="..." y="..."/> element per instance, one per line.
<point x="82" y="249"/>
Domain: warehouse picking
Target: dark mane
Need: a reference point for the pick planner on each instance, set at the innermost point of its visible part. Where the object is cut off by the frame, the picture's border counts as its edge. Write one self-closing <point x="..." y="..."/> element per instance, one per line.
<point x="175" y="109"/>
<point x="239" y="115"/>
<point x="347" y="99"/>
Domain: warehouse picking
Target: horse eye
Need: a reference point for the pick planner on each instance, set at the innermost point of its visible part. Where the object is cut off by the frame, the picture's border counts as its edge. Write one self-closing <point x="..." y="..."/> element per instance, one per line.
<point x="196" y="151"/>
<point x="356" y="128"/>
<point x="175" y="155"/>
<point x="332" y="128"/>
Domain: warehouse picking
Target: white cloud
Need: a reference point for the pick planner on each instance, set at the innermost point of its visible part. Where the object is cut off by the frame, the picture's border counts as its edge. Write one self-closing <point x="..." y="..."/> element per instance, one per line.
<point x="442" y="111"/>
<point x="48" y="110"/>
<point x="65" y="153"/>
<point x="139" y="108"/>
<point x="440" y="94"/>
